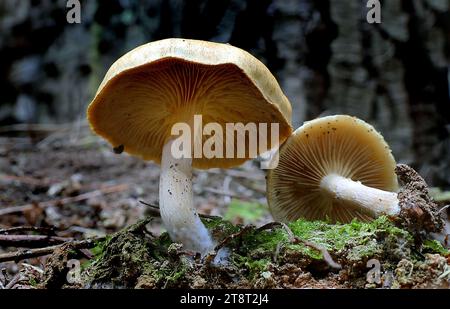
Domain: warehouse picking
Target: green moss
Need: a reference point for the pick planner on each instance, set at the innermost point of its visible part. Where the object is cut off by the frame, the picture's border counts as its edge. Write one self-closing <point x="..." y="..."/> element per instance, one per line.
<point x="161" y="244"/>
<point x="219" y="225"/>
<point x="97" y="252"/>
<point x="253" y="266"/>
<point x="99" y="247"/>
<point x="434" y="246"/>
<point x="364" y="251"/>
<point x="123" y="258"/>
<point x="173" y="276"/>
<point x="337" y="236"/>
<point x="248" y="212"/>
<point x="359" y="238"/>
<point x="33" y="282"/>
<point x="131" y="257"/>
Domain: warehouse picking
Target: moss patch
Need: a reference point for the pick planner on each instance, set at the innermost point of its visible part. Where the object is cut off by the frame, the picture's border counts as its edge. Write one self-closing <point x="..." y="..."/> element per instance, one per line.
<point x="261" y="258"/>
<point x="247" y="212"/>
<point x="434" y="246"/>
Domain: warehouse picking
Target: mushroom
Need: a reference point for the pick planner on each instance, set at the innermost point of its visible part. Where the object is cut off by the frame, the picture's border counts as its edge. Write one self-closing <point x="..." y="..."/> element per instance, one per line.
<point x="152" y="88"/>
<point x="336" y="168"/>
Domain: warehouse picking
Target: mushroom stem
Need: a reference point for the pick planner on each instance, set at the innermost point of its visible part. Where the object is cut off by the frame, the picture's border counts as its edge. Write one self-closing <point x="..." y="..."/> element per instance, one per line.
<point x="373" y="202"/>
<point x="177" y="203"/>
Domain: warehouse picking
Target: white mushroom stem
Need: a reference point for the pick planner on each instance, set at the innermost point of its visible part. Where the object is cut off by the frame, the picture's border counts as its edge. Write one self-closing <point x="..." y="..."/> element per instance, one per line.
<point x="373" y="202"/>
<point x="176" y="203"/>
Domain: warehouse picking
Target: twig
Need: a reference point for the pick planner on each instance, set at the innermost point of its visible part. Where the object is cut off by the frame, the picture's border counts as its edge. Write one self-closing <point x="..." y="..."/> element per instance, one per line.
<point x="236" y="174"/>
<point x="269" y="226"/>
<point x="229" y="238"/>
<point x="32" y="253"/>
<point x="2" y="280"/>
<point x="444" y="208"/>
<point x="4" y="276"/>
<point x="253" y="187"/>
<point x="13" y="281"/>
<point x="227" y="193"/>
<point x="155" y="210"/>
<point x="85" y="230"/>
<point x="326" y="255"/>
<point x="23" y="127"/>
<point x="30" y="241"/>
<point x="277" y="252"/>
<point x="66" y="200"/>
<point x="42" y="230"/>
<point x="37" y="269"/>
<point x="445" y="273"/>
<point x="25" y="179"/>
<point x="294" y="239"/>
<point x="210" y="257"/>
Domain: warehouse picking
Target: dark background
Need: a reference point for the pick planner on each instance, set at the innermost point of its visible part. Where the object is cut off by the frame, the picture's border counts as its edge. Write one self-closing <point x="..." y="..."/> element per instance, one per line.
<point x="326" y="56"/>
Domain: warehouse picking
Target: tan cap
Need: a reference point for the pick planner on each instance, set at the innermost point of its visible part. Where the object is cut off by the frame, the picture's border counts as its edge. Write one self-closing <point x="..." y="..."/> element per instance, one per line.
<point x="165" y="82"/>
<point x="340" y="145"/>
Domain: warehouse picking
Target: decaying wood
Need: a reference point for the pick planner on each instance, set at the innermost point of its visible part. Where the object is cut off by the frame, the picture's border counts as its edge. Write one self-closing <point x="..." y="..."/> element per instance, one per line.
<point x="30" y="241"/>
<point x="41" y="230"/>
<point x="32" y="253"/>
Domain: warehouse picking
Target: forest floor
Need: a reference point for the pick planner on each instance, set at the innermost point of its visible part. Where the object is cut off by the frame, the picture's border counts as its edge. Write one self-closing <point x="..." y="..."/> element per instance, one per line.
<point x="70" y="186"/>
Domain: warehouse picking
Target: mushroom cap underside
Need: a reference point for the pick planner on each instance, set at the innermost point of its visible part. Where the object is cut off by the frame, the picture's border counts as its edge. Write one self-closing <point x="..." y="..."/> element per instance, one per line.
<point x="162" y="83"/>
<point x="340" y="144"/>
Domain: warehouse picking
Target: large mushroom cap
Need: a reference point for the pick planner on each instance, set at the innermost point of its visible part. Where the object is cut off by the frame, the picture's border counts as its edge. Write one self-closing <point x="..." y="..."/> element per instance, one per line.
<point x="158" y="84"/>
<point x="341" y="145"/>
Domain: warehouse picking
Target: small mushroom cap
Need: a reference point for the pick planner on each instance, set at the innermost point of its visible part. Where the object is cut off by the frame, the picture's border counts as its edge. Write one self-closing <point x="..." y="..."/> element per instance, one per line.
<point x="158" y="84"/>
<point x="342" y="145"/>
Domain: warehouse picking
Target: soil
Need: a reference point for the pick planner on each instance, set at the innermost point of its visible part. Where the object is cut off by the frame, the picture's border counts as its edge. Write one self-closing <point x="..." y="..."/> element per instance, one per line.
<point x="419" y="213"/>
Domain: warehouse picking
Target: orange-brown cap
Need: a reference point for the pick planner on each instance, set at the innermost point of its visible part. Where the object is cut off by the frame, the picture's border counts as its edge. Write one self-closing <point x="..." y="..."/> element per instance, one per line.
<point x="340" y="145"/>
<point x="158" y="84"/>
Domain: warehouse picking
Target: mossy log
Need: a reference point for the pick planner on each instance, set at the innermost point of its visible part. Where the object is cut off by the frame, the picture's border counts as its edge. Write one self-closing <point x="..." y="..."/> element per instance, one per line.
<point x="269" y="258"/>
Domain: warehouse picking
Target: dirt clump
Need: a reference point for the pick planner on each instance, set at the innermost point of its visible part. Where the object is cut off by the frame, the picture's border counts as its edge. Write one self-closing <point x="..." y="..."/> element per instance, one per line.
<point x="419" y="213"/>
